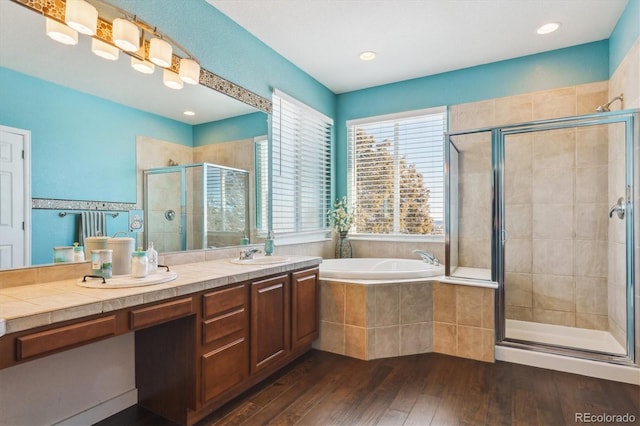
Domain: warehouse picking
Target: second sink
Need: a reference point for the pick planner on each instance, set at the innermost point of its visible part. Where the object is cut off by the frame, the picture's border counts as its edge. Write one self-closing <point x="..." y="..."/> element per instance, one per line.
<point x="263" y="260"/>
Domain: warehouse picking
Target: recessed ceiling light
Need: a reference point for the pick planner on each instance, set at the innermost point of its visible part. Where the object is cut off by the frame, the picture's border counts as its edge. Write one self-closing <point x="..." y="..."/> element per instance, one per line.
<point x="368" y="56"/>
<point x="189" y="113"/>
<point x="548" y="28"/>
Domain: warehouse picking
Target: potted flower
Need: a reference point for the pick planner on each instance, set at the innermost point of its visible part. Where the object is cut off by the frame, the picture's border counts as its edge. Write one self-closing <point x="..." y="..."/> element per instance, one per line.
<point x="341" y="220"/>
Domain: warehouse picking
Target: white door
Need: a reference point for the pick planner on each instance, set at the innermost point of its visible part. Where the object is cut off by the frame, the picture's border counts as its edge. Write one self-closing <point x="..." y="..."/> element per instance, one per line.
<point x="15" y="198"/>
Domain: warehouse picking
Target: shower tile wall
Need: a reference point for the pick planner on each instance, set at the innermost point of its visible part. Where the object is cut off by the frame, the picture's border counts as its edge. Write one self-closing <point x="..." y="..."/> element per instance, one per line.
<point x="553" y="182"/>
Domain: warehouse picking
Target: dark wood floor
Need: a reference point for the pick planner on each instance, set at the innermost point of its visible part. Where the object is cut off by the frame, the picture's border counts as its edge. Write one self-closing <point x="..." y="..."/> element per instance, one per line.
<point x="429" y="389"/>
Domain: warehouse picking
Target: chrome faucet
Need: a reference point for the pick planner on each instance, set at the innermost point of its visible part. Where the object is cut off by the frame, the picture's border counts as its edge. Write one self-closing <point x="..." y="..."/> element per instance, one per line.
<point x="248" y="254"/>
<point x="427" y="257"/>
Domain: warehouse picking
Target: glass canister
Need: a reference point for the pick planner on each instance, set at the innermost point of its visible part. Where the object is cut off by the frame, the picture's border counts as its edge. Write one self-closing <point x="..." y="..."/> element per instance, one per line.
<point x="139" y="264"/>
<point x="101" y="263"/>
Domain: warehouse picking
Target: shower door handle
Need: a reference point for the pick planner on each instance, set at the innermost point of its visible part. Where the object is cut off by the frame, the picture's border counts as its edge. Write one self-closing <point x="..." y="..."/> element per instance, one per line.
<point x="618" y="208"/>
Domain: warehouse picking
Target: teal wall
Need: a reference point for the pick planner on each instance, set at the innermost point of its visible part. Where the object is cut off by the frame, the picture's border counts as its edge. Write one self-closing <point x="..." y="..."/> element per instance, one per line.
<point x="564" y="67"/>
<point x="624" y="35"/>
<point x="231" y="129"/>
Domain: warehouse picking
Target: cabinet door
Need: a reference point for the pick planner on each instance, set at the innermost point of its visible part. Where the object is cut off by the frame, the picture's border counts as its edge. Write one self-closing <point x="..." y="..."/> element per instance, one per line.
<point x="270" y="322"/>
<point x="305" y="316"/>
<point x="224" y="368"/>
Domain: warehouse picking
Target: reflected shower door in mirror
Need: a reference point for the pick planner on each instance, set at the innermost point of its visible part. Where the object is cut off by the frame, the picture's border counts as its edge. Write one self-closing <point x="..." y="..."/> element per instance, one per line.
<point x="196" y="206"/>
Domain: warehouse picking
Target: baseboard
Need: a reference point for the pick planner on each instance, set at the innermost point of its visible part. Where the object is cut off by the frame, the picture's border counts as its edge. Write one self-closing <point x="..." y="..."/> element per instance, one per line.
<point x="584" y="367"/>
<point x="103" y="410"/>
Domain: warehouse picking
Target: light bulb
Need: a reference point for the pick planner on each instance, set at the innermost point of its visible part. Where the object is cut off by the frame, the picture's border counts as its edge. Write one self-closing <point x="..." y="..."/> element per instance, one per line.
<point x="60" y="32"/>
<point x="160" y="52"/>
<point x="171" y="80"/>
<point x="81" y="16"/>
<point x="189" y="71"/>
<point x="126" y="35"/>
<point x="145" y="67"/>
<point x="104" y="50"/>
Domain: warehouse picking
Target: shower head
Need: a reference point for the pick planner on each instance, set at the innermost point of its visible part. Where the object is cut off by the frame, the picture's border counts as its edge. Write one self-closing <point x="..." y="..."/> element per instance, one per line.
<point x="605" y="107"/>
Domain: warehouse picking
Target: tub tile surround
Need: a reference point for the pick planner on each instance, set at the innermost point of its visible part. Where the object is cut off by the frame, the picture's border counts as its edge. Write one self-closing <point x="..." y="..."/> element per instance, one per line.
<point x="380" y="321"/>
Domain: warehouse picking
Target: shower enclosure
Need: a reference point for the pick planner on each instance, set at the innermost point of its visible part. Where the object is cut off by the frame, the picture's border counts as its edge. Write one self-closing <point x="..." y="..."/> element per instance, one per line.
<point x="196" y="206"/>
<point x="546" y="210"/>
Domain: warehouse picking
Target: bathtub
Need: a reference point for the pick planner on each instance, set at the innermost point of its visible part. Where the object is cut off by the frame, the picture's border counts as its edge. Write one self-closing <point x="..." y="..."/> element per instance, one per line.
<point x="378" y="271"/>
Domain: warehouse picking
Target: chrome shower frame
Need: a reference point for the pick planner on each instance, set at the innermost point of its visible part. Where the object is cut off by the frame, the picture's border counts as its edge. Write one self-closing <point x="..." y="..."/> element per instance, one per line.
<point x="631" y="121"/>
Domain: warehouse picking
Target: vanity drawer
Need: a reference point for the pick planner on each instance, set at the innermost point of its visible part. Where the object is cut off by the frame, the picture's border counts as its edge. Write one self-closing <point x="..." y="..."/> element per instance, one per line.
<point x="222" y="301"/>
<point x="158" y="314"/>
<point x="64" y="337"/>
<point x="231" y="325"/>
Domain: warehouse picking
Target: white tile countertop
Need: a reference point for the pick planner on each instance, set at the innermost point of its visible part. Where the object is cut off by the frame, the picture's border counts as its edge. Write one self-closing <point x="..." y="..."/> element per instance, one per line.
<point x="29" y="306"/>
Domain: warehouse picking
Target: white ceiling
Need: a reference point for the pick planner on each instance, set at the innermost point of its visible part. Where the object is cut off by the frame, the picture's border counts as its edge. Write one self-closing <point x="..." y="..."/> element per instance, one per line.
<point x="414" y="38"/>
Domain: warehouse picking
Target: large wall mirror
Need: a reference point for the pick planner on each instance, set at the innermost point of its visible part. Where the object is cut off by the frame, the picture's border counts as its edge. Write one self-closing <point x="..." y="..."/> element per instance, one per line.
<point x="96" y="125"/>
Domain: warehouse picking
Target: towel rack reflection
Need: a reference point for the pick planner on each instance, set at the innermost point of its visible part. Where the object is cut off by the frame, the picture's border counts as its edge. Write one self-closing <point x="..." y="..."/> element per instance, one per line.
<point x="63" y="214"/>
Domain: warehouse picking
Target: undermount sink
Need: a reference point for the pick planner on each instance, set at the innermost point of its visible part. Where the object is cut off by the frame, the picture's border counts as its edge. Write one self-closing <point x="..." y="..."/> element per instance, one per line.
<point x="125" y="281"/>
<point x="263" y="260"/>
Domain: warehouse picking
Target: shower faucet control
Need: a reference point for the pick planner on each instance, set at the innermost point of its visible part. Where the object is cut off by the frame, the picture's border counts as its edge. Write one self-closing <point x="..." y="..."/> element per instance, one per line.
<point x="618" y="208"/>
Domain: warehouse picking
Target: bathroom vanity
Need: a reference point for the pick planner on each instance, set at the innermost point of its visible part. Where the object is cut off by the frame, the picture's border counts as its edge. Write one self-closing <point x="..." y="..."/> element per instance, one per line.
<point x="200" y="340"/>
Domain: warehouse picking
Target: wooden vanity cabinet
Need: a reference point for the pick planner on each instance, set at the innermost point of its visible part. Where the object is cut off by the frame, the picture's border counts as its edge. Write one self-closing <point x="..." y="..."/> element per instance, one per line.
<point x="305" y="309"/>
<point x="270" y="322"/>
<point x="224" y="345"/>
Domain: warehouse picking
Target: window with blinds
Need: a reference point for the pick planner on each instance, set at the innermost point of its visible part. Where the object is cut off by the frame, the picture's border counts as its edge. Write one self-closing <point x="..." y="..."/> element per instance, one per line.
<point x="301" y="166"/>
<point x="395" y="173"/>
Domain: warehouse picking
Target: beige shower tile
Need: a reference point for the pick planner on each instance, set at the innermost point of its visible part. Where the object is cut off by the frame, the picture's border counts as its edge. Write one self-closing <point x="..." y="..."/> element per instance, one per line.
<point x="553" y="257"/>
<point x="472" y="115"/>
<point x="444" y="303"/>
<point x="519" y="187"/>
<point x="488" y="308"/>
<point x="469" y="306"/>
<point x="387" y="301"/>
<point x="416" y="303"/>
<point x="518" y="313"/>
<point x="513" y="109"/>
<point x="553" y="221"/>
<point x="592" y="222"/>
<point x="518" y="152"/>
<point x="553" y="149"/>
<point x="591" y="258"/>
<point x="592" y="147"/>
<point x="552" y="186"/>
<point x="416" y="338"/>
<point x="355" y="342"/>
<point x="519" y="257"/>
<point x="546" y="316"/>
<point x="518" y="290"/>
<point x="554" y="292"/>
<point x="355" y="305"/>
<point x="592" y="322"/>
<point x="591" y="295"/>
<point x="592" y="184"/>
<point x="445" y="338"/>
<point x="475" y="252"/>
<point x="387" y="341"/>
<point x="475" y="221"/>
<point x="518" y="220"/>
<point x="332" y="296"/>
<point x="475" y="190"/>
<point x="332" y="338"/>
<point x="554" y="103"/>
<point x="470" y="342"/>
<point x="589" y="96"/>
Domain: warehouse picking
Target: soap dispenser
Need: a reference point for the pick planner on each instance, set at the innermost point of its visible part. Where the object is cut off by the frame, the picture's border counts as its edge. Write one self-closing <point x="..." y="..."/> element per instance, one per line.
<point x="152" y="255"/>
<point x="268" y="244"/>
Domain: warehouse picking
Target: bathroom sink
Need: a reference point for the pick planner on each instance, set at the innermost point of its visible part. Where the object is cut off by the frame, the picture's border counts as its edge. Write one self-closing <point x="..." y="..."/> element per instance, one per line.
<point x="126" y="281"/>
<point x="263" y="260"/>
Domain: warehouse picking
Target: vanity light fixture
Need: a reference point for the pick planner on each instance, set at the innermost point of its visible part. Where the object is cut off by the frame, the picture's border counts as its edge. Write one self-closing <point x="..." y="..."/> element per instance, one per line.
<point x="104" y="50"/>
<point x="140" y="65"/>
<point x="171" y="80"/>
<point x="189" y="71"/>
<point x="81" y="16"/>
<point x="368" y="55"/>
<point x="126" y="35"/>
<point x="548" y="28"/>
<point x="160" y="52"/>
<point x="60" y="32"/>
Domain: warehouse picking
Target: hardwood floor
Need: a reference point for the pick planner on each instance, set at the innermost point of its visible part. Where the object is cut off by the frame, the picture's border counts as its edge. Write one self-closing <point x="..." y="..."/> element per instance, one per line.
<point x="429" y="389"/>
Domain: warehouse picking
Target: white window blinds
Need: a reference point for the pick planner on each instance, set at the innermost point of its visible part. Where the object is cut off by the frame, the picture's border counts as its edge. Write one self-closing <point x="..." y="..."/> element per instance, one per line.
<point x="396" y="173"/>
<point x="301" y="166"/>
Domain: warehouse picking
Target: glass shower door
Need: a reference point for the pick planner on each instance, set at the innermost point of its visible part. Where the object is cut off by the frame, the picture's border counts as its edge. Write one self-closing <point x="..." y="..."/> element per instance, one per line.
<point x="567" y="247"/>
<point x="164" y="209"/>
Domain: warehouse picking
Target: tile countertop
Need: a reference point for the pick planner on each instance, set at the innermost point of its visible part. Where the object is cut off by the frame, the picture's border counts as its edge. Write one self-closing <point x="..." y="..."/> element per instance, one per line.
<point x="35" y="305"/>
